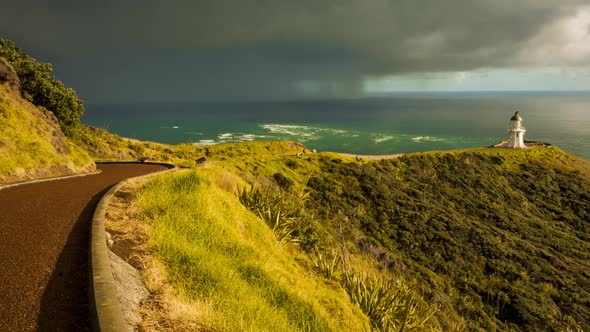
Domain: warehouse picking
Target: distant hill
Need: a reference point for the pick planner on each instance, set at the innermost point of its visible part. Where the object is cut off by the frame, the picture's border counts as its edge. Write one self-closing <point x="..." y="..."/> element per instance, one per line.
<point x="32" y="144"/>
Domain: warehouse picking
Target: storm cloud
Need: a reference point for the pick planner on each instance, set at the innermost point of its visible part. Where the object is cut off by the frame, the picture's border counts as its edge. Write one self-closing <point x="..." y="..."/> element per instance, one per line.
<point x="144" y="50"/>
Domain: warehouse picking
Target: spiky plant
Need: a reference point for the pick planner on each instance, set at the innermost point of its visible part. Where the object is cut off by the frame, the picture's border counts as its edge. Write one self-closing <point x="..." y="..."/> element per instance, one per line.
<point x="280" y="214"/>
<point x="327" y="264"/>
<point x="391" y="305"/>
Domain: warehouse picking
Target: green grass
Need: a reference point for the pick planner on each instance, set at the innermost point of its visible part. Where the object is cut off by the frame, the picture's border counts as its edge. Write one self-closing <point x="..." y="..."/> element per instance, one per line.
<point x="27" y="140"/>
<point x="217" y="252"/>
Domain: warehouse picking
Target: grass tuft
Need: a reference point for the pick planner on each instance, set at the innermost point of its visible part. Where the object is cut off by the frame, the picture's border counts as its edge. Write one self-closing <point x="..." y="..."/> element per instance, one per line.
<point x="282" y="213"/>
<point x="327" y="264"/>
<point x="390" y="304"/>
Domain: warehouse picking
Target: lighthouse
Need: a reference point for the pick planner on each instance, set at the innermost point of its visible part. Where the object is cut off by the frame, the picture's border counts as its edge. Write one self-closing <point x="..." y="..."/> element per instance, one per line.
<point x="516" y="133"/>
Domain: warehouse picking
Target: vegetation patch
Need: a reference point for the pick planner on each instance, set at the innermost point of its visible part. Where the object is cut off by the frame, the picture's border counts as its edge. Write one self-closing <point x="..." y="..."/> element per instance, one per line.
<point x="225" y="258"/>
<point x="463" y="240"/>
<point x="32" y="145"/>
<point x="499" y="237"/>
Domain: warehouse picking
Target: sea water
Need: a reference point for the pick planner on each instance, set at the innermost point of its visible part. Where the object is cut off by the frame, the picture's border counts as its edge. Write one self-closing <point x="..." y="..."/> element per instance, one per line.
<point x="379" y="125"/>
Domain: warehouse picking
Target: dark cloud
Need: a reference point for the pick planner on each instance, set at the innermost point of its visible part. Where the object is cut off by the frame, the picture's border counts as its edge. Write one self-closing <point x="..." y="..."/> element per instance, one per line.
<point x="263" y="48"/>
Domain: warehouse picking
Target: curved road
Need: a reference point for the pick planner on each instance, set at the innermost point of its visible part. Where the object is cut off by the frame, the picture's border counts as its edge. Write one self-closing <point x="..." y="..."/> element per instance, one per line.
<point x="44" y="240"/>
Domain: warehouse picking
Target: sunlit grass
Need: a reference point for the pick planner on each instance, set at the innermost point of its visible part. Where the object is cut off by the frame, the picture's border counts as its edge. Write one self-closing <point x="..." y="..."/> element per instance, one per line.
<point x="27" y="139"/>
<point x="220" y="255"/>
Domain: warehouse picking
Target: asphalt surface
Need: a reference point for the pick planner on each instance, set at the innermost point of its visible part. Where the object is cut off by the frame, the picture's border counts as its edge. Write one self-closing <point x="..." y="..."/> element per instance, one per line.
<point x="44" y="243"/>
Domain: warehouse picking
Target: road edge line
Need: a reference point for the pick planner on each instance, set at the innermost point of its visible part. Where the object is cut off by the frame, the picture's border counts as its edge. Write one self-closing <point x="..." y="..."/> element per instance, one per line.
<point x="2" y="187"/>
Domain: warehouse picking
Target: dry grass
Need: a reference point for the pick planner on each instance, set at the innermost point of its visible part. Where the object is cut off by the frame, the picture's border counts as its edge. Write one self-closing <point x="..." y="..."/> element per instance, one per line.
<point x="164" y="309"/>
<point x="226" y="268"/>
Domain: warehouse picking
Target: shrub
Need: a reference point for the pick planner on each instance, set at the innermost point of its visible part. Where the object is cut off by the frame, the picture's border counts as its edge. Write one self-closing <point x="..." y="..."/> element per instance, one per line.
<point x="271" y="208"/>
<point x="282" y="213"/>
<point x="326" y="264"/>
<point x="391" y="305"/>
<point x="282" y="181"/>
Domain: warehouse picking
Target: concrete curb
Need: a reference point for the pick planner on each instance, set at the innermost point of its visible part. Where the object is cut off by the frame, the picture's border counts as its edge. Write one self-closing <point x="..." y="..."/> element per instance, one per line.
<point x="105" y="311"/>
<point x="48" y="179"/>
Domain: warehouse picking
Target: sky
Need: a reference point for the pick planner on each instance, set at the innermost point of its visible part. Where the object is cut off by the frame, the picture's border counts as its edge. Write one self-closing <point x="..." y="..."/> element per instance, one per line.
<point x="145" y="50"/>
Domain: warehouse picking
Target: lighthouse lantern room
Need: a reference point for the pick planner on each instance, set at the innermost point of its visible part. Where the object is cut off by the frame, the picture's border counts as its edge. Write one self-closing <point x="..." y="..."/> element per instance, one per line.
<point x="516" y="132"/>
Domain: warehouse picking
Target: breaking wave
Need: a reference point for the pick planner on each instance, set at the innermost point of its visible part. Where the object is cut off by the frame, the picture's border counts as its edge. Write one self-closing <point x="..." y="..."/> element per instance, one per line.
<point x="426" y="139"/>
<point x="301" y="133"/>
<point x="229" y="138"/>
<point x="382" y="138"/>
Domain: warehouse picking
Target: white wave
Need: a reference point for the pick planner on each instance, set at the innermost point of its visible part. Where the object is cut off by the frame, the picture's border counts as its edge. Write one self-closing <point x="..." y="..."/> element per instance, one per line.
<point x="250" y="137"/>
<point x="232" y="137"/>
<point x="203" y="142"/>
<point x="426" y="138"/>
<point x="225" y="135"/>
<point x="339" y="131"/>
<point x="301" y="132"/>
<point x="293" y="130"/>
<point x="382" y="138"/>
<point x="175" y="127"/>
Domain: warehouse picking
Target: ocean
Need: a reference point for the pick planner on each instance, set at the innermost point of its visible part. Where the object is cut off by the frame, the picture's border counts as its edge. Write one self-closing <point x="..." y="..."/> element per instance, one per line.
<point x="378" y="125"/>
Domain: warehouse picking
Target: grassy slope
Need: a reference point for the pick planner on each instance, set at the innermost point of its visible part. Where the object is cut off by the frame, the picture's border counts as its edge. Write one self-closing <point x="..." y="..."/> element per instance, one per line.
<point x="500" y="237"/>
<point x="495" y="239"/>
<point x="224" y="259"/>
<point x="28" y="146"/>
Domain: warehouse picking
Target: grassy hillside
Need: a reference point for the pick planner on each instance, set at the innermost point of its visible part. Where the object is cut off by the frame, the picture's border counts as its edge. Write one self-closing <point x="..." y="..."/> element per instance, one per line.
<point x="500" y="237"/>
<point x="487" y="239"/>
<point x="227" y="262"/>
<point x="32" y="144"/>
<point x="35" y="111"/>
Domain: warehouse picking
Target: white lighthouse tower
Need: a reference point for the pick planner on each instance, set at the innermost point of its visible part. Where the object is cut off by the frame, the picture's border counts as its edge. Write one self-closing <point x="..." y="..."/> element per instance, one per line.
<point x="516" y="133"/>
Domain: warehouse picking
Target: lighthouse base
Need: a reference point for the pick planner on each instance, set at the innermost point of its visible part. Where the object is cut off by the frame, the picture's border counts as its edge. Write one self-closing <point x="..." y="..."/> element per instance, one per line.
<point x="516" y="139"/>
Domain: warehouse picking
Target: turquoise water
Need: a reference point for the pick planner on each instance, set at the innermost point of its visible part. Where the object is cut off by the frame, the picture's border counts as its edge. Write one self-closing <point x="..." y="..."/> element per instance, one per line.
<point x="365" y="126"/>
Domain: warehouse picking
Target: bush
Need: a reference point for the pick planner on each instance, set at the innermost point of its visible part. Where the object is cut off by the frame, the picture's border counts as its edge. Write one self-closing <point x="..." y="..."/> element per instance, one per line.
<point x="326" y="264"/>
<point x="390" y="304"/>
<point x="282" y="181"/>
<point x="281" y="212"/>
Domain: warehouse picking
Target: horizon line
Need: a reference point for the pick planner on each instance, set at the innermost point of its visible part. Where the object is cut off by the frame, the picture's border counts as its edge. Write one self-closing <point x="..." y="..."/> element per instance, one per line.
<point x="332" y="98"/>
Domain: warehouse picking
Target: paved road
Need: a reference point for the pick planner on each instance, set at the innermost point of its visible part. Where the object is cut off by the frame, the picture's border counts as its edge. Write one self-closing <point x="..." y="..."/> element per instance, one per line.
<point x="44" y="239"/>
